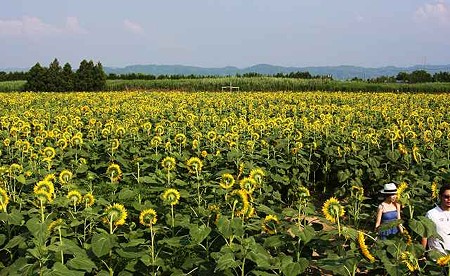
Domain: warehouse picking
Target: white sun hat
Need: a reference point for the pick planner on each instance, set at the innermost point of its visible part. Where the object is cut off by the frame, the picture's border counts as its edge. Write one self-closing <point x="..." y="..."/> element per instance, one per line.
<point x="389" y="189"/>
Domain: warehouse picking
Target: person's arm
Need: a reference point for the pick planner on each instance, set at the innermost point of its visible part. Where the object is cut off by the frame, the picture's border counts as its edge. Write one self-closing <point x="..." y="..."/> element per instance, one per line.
<point x="424" y="242"/>
<point x="399" y="208"/>
<point x="379" y="214"/>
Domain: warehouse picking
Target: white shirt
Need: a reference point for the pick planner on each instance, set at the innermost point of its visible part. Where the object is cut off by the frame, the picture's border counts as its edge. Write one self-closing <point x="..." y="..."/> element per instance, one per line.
<point x="441" y="219"/>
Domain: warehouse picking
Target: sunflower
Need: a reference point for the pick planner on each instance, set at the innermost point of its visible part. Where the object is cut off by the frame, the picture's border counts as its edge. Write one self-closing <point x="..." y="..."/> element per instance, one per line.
<point x="74" y="196"/>
<point x="76" y="140"/>
<point x="120" y="131"/>
<point x="195" y="144"/>
<point x="44" y="185"/>
<point x="43" y="196"/>
<point x="4" y="200"/>
<point x="211" y="135"/>
<point x="115" y="144"/>
<point x="114" y="172"/>
<point x="227" y="181"/>
<point x="240" y="201"/>
<point x="194" y="165"/>
<point x="62" y="143"/>
<point x="65" y="176"/>
<point x="89" y="199"/>
<point x="269" y="224"/>
<point x="116" y="214"/>
<point x="155" y="142"/>
<point x="171" y="196"/>
<point x="401" y="190"/>
<point x="443" y="261"/>
<point x="49" y="153"/>
<point x="332" y="209"/>
<point x="357" y="192"/>
<point x="303" y="193"/>
<point x="6" y="142"/>
<point x="15" y="169"/>
<point x="54" y="225"/>
<point x="248" y="184"/>
<point x="168" y="163"/>
<point x="362" y="245"/>
<point x="257" y="175"/>
<point x="50" y="177"/>
<point x="410" y="261"/>
<point x="180" y="139"/>
<point x="159" y="130"/>
<point x="204" y="153"/>
<point x="434" y="190"/>
<point x="148" y="217"/>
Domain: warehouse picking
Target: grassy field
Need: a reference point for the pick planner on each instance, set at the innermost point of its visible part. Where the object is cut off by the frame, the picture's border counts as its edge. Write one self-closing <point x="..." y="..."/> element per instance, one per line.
<point x="269" y="84"/>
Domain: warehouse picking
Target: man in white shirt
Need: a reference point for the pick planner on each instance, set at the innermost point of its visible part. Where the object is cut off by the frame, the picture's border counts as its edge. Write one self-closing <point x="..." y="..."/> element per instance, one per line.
<point x="440" y="215"/>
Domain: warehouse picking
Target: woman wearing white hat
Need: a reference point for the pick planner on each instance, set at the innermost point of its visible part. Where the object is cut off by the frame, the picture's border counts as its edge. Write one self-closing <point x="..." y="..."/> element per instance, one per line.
<point x="388" y="211"/>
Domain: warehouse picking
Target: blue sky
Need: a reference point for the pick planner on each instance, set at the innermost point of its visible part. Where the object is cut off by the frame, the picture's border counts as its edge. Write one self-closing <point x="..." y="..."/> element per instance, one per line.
<point x="217" y="33"/>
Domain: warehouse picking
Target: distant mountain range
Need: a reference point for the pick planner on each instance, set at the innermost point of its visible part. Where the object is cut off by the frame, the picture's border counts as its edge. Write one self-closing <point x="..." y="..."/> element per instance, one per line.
<point x="342" y="72"/>
<point x="337" y="72"/>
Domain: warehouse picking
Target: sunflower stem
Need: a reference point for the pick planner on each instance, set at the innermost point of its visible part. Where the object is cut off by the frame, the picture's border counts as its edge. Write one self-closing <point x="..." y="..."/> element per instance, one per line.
<point x="61" y="243"/>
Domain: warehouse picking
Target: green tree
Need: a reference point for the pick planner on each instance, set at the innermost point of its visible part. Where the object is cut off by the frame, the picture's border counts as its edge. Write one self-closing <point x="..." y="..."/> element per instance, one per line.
<point x="67" y="78"/>
<point x="84" y="76"/>
<point x="420" y="76"/>
<point x="99" y="78"/>
<point x="36" y="78"/>
<point x="54" y="77"/>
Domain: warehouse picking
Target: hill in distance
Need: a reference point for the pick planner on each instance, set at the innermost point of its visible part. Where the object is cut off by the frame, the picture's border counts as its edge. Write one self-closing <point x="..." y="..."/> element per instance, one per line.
<point x="343" y="72"/>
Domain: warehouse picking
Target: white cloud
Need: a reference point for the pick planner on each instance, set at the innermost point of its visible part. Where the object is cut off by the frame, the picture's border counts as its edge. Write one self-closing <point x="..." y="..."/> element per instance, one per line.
<point x="72" y="25"/>
<point x="359" y="18"/>
<point x="133" y="27"/>
<point x="438" y="11"/>
<point x="31" y="26"/>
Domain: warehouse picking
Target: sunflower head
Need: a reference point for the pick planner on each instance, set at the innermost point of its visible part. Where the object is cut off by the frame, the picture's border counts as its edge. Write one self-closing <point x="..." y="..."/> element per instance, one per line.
<point x="65" y="176"/>
<point x="148" y="217"/>
<point x="269" y="224"/>
<point x="434" y="190"/>
<point x="240" y="201"/>
<point x="44" y="185"/>
<point x="49" y="153"/>
<point x="332" y="209"/>
<point x="76" y="140"/>
<point x="114" y="172"/>
<point x="248" y="184"/>
<point x="155" y="142"/>
<point x="168" y="163"/>
<point x="54" y="225"/>
<point x="180" y="139"/>
<point x="171" y="196"/>
<point x="43" y="196"/>
<point x="257" y="175"/>
<point x="116" y="214"/>
<point x="74" y="197"/>
<point x="211" y="135"/>
<point x="227" y="181"/>
<point x="364" y="249"/>
<point x="443" y="261"/>
<point x="4" y="199"/>
<point x="303" y="194"/>
<point x="194" y="165"/>
<point x="115" y="144"/>
<point x="89" y="199"/>
<point x="15" y="169"/>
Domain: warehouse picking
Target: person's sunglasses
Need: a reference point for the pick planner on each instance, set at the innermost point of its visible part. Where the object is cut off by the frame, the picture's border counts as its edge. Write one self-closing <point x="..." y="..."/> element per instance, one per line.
<point x="446" y="196"/>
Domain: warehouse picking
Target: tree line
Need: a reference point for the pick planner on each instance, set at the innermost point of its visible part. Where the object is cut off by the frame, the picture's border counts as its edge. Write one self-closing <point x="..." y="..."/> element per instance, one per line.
<point x="417" y="76"/>
<point x="88" y="77"/>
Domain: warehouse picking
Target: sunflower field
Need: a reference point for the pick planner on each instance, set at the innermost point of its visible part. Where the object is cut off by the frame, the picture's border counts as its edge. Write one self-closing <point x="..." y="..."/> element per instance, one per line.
<point x="209" y="183"/>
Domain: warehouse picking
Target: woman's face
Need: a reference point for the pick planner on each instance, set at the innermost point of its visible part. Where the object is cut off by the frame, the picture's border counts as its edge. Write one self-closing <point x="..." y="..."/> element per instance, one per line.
<point x="393" y="198"/>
